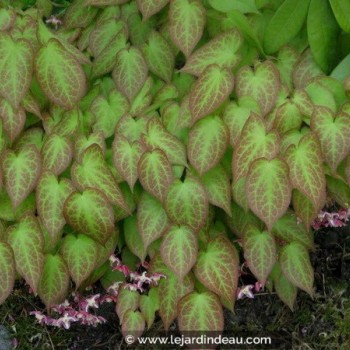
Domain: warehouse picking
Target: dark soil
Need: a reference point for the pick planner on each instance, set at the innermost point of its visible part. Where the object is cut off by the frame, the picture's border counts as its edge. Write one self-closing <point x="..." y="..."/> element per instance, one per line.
<point x="322" y="323"/>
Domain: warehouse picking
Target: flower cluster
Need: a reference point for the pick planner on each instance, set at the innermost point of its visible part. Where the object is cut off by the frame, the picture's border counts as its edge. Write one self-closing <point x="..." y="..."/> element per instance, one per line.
<point x="335" y="219"/>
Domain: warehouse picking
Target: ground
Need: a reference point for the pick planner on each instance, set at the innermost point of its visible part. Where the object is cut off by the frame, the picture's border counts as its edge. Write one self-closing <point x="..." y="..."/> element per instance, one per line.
<point x="322" y="323"/>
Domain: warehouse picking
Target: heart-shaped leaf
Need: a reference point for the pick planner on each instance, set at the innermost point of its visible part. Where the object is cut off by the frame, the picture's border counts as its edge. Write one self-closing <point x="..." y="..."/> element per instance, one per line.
<point x="16" y="64"/>
<point x="155" y="173"/>
<point x="60" y="76"/>
<point x="83" y="142"/>
<point x="268" y="189"/>
<point x="149" y="305"/>
<point x="21" y="172"/>
<point x="186" y="24"/>
<point x="304" y="208"/>
<point x="27" y="242"/>
<point x="186" y="203"/>
<point x="7" y="272"/>
<point x="150" y="7"/>
<point x="262" y="83"/>
<point x="127" y="300"/>
<point x="217" y="269"/>
<point x="179" y="249"/>
<point x="259" y="252"/>
<point x="90" y="213"/>
<point x="13" y="119"/>
<point x="211" y="89"/>
<point x="133" y="324"/>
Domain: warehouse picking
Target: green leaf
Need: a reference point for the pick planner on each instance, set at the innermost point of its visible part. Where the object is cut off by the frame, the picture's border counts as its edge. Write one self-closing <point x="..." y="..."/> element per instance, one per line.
<point x="217" y="185"/>
<point x="149" y="305"/>
<point x="133" y="238"/>
<point x="126" y="156"/>
<point x="16" y="64"/>
<point x="60" y="76"/>
<point x="57" y="153"/>
<point x="221" y="50"/>
<point x="287" y="117"/>
<point x="105" y="251"/>
<point x="27" y="242"/>
<point x="255" y="142"/>
<point x="158" y="137"/>
<point x="149" y="8"/>
<point x="179" y="249"/>
<point x="295" y="264"/>
<point x="268" y="189"/>
<point x="51" y="195"/>
<point x="90" y="213"/>
<point x="133" y="324"/>
<point x="132" y="128"/>
<point x="151" y="219"/>
<point x="285" y="24"/>
<point x="217" y="269"/>
<point x="186" y="203"/>
<point x="186" y="24"/>
<point x="143" y="99"/>
<point x="127" y="300"/>
<point x="130" y="72"/>
<point x="207" y="143"/>
<point x="54" y="282"/>
<point x="21" y="171"/>
<point x="83" y="142"/>
<point x="7" y="18"/>
<point x="78" y="15"/>
<point x="7" y="272"/>
<point x="339" y="191"/>
<point x="93" y="171"/>
<point x="159" y="56"/>
<point x="333" y="132"/>
<point x="287" y="59"/>
<point x="306" y="170"/>
<point x="244" y="6"/>
<point x="322" y="39"/>
<point x="342" y="70"/>
<point x="341" y="10"/>
<point x="80" y="254"/>
<point x="289" y="229"/>
<point x="200" y="312"/>
<point x="261" y="82"/>
<point x="211" y="89"/>
<point x="304" y="208"/>
<point x="13" y="119"/>
<point x="155" y="173"/>
<point x="259" y="252"/>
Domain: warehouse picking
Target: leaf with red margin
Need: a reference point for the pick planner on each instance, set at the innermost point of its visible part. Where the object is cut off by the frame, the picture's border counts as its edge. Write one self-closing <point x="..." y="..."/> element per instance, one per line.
<point x="50" y="197"/>
<point x="133" y="324"/>
<point x="78" y="15"/>
<point x="158" y="137"/>
<point x="83" y="142"/>
<point x="268" y="188"/>
<point x="304" y="208"/>
<point x="221" y="50"/>
<point x="211" y="89"/>
<point x="217" y="269"/>
<point x="186" y="24"/>
<point x="306" y="169"/>
<point x="287" y="117"/>
<point x="130" y="72"/>
<point x="133" y="238"/>
<point x="143" y="99"/>
<point x="151" y="219"/>
<point x="32" y="136"/>
<point x="159" y="56"/>
<point x="80" y="254"/>
<point x="200" y="312"/>
<point x="127" y="300"/>
<point x="295" y="264"/>
<point x="207" y="143"/>
<point x="13" y="119"/>
<point x="105" y="251"/>
<point x="16" y="68"/>
<point x="132" y="128"/>
<point x="93" y="171"/>
<point x="90" y="213"/>
<point x="7" y="272"/>
<point x="60" y="75"/>
<point x="287" y="59"/>
<point x="333" y="132"/>
<point x="289" y="229"/>
<point x="27" y="242"/>
<point x="54" y="282"/>
<point x="149" y="305"/>
<point x="171" y="289"/>
<point x="255" y="142"/>
<point x="31" y="105"/>
<point x="285" y="290"/>
<point x="179" y="249"/>
<point x="155" y="173"/>
<point x="259" y="252"/>
<point x="149" y="8"/>
<point x="126" y="156"/>
<point x="7" y="18"/>
<point x="57" y="153"/>
<point x="217" y="185"/>
<point x="262" y="83"/>
<point x="186" y="203"/>
<point x="21" y="172"/>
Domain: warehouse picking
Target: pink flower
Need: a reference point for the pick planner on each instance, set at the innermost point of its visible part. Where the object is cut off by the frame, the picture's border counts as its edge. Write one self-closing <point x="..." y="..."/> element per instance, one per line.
<point x="65" y="321"/>
<point x="245" y="291"/>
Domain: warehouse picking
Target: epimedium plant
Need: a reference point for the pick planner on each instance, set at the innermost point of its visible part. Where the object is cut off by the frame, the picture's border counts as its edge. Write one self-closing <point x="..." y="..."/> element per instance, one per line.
<point x="183" y="134"/>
